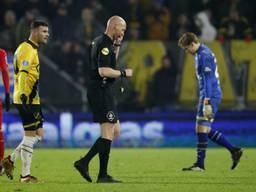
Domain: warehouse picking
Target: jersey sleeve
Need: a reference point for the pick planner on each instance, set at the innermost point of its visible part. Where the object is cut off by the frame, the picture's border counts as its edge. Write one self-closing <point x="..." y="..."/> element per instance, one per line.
<point x="104" y="57"/>
<point x="5" y="72"/>
<point x="25" y="58"/>
<point x="2" y="57"/>
<point x="207" y="71"/>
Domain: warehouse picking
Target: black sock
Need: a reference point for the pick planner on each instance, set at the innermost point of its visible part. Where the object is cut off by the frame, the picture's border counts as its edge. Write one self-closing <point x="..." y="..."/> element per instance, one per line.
<point x="92" y="152"/>
<point x="104" y="150"/>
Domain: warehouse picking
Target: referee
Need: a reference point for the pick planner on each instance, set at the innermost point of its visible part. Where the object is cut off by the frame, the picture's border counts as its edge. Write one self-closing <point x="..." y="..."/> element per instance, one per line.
<point x="103" y="54"/>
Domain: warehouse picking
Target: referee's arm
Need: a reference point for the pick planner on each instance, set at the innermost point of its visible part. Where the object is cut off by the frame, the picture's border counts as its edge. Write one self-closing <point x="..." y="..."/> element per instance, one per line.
<point x="109" y="72"/>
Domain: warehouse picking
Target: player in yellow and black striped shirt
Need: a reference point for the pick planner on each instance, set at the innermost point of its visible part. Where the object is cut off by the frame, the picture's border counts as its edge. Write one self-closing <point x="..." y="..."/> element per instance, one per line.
<point x="26" y="99"/>
<point x="26" y="73"/>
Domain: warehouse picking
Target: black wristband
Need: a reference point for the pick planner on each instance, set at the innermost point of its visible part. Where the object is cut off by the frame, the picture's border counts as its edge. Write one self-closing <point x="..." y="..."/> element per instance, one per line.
<point x="117" y="45"/>
<point x="123" y="73"/>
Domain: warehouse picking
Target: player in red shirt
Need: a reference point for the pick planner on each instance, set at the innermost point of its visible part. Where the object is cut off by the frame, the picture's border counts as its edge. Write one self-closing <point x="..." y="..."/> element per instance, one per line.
<point x="5" y="76"/>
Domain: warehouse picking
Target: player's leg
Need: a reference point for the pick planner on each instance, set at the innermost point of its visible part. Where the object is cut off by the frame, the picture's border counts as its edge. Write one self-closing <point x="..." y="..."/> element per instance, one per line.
<point x="1" y="141"/>
<point x="27" y="148"/>
<point x="7" y="163"/>
<point x="202" y="138"/>
<point x="202" y="142"/>
<point x="202" y="129"/>
<point x="10" y="160"/>
<point x="217" y="137"/>
<point x="32" y="124"/>
<point x="17" y="152"/>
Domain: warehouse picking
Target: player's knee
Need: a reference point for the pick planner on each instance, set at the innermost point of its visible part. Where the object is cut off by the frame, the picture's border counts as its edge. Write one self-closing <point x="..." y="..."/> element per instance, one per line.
<point x="28" y="143"/>
<point x="39" y="135"/>
<point x="40" y="132"/>
<point x="202" y="129"/>
<point x="30" y="133"/>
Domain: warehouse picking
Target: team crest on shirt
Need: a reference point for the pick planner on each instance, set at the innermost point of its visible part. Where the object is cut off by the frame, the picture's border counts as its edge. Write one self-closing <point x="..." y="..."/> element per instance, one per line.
<point x="110" y="115"/>
<point x="25" y="63"/>
<point x="105" y="51"/>
<point x="207" y="69"/>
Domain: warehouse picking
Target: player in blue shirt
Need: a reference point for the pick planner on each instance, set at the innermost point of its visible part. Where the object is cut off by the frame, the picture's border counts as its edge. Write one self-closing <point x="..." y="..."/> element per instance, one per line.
<point x="209" y="99"/>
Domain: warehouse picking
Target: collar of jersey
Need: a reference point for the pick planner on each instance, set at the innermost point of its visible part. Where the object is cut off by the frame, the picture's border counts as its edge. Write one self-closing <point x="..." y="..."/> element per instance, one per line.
<point x="32" y="43"/>
<point x="108" y="38"/>
<point x="201" y="47"/>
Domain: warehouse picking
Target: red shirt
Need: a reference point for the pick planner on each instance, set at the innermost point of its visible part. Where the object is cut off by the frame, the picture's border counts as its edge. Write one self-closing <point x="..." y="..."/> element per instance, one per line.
<point x="4" y="70"/>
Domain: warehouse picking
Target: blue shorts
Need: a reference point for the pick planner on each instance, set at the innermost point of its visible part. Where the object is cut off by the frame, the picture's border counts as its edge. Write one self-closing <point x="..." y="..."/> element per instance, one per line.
<point x="200" y="119"/>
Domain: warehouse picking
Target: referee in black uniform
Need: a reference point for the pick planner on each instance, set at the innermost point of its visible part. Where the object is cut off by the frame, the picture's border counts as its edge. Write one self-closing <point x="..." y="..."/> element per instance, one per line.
<point x="103" y="54"/>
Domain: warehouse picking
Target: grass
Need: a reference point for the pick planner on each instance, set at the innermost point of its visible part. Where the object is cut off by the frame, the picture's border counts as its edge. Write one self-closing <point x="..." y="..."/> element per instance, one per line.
<point x="149" y="170"/>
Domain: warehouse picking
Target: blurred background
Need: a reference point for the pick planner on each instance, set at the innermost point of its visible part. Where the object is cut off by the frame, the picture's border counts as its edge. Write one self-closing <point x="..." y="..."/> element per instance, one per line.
<point x="158" y="106"/>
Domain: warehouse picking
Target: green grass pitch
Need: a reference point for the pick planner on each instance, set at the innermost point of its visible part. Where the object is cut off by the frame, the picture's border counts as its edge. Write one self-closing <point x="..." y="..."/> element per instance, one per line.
<point x="149" y="170"/>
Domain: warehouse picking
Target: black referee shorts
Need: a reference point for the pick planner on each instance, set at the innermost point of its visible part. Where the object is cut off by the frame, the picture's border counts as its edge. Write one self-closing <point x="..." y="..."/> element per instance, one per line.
<point x="32" y="117"/>
<point x="103" y="105"/>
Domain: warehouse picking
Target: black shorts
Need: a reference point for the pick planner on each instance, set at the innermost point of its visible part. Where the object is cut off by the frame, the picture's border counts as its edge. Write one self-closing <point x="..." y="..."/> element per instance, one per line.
<point x="32" y="118"/>
<point x="102" y="103"/>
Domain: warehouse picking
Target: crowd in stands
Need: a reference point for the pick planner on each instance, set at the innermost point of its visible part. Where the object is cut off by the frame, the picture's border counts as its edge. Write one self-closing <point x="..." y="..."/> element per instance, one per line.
<point x="74" y="23"/>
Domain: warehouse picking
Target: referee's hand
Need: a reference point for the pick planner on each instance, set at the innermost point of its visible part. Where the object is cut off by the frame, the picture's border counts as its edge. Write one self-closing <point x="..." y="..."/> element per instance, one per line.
<point x="128" y="72"/>
<point x="118" y="40"/>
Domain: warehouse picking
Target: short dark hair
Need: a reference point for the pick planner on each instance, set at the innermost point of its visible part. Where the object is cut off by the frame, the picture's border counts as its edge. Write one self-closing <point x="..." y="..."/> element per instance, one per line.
<point x="37" y="23"/>
<point x="187" y="38"/>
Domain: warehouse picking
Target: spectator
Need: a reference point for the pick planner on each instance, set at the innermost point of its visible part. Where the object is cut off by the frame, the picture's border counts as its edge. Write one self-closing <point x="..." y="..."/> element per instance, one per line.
<point x="7" y="32"/>
<point x="208" y="31"/>
<point x="23" y="26"/>
<point x="183" y="25"/>
<point x="100" y="12"/>
<point x="234" y="27"/>
<point x="134" y="33"/>
<point x="62" y="56"/>
<point x="88" y="28"/>
<point x="50" y="8"/>
<point x="62" y="24"/>
<point x="161" y="90"/>
<point x="133" y="14"/>
<point x="80" y="64"/>
<point x="158" y="21"/>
